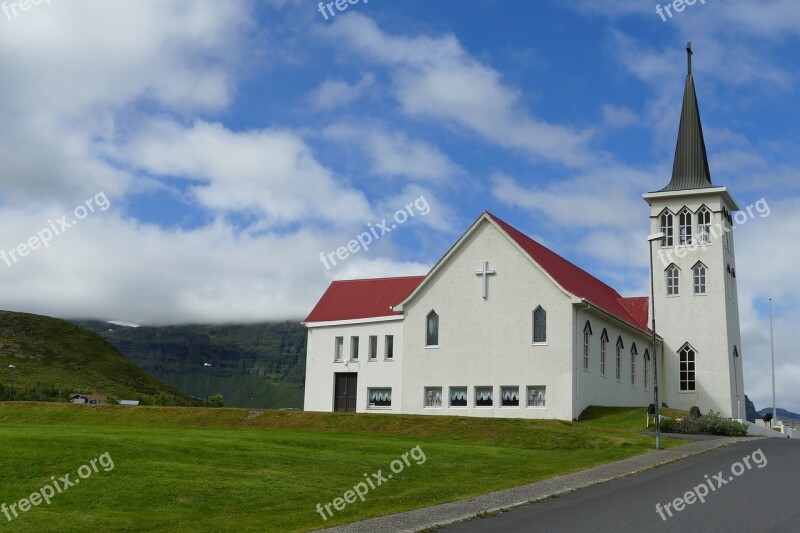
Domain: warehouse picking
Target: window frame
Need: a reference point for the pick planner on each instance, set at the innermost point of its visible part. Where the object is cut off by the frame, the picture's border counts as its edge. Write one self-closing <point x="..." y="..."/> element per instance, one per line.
<point x="372" y="348"/>
<point x="673" y="280"/>
<point x="450" y="397"/>
<point x="428" y="390"/>
<point x="503" y="388"/>
<point x="646" y="368"/>
<point x="687" y="378"/>
<point x="432" y="315"/>
<point x="685" y="227"/>
<point x="542" y="317"/>
<point x="618" y="366"/>
<point x="355" y="347"/>
<point x="587" y="334"/>
<point x="388" y="348"/>
<point x="482" y="388"/>
<point x="699" y="279"/>
<point x="603" y="352"/>
<point x="338" y="348"/>
<point x="667" y="224"/>
<point x="634" y="354"/>
<point x="704" y="226"/>
<point x="378" y="407"/>
<point x="528" y="404"/>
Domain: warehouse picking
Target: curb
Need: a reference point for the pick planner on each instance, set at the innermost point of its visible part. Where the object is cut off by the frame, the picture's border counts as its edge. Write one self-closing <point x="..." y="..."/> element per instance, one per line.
<point x="428" y="518"/>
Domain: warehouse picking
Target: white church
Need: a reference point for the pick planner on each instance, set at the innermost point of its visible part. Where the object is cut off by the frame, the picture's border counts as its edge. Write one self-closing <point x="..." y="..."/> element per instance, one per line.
<point x="504" y="327"/>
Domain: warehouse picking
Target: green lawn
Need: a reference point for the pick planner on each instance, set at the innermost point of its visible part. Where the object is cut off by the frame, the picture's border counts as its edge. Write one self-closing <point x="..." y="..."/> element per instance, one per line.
<point x="193" y="469"/>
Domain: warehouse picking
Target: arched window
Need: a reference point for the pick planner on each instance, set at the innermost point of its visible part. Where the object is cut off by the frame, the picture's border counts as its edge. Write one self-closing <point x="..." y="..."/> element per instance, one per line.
<point x="620" y="347"/>
<point x="687" y="371"/>
<point x="646" y="369"/>
<point x="735" y="370"/>
<point x="539" y="325"/>
<point x="667" y="228"/>
<point x="634" y="353"/>
<point x="432" y="329"/>
<point x="699" y="276"/>
<point x="587" y="333"/>
<point x="603" y="342"/>
<point x="704" y="226"/>
<point x="685" y="220"/>
<point x="673" y="280"/>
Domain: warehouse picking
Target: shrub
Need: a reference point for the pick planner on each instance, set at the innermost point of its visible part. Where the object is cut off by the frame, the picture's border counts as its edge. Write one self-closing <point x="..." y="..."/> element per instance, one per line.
<point x="694" y="412"/>
<point x="710" y="424"/>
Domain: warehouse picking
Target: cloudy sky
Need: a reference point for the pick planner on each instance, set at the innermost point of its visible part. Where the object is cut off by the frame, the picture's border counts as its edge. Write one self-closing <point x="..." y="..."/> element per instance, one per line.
<point x="204" y="154"/>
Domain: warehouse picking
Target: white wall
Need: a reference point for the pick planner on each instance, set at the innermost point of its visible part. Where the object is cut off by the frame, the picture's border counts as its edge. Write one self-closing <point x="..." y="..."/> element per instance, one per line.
<point x="489" y="342"/>
<point x="321" y="366"/>
<point x="709" y="323"/>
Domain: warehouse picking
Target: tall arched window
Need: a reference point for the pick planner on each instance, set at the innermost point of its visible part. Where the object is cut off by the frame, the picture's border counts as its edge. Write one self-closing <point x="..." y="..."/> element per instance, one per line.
<point x="603" y="343"/>
<point x="646" y="369"/>
<point x="704" y="226"/>
<point x="685" y="220"/>
<point x="432" y="329"/>
<point x="634" y="353"/>
<point x="620" y="347"/>
<point x="587" y="333"/>
<point x="699" y="276"/>
<point x="735" y="370"/>
<point x="539" y="325"/>
<point x="673" y="280"/>
<point x="667" y="228"/>
<point x="687" y="371"/>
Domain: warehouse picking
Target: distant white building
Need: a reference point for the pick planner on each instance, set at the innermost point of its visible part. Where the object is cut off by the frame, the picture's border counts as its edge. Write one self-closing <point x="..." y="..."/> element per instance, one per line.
<point x="504" y="327"/>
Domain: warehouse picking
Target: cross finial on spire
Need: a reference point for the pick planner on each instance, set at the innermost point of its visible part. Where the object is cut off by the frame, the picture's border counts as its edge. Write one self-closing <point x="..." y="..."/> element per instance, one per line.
<point x="689" y="54"/>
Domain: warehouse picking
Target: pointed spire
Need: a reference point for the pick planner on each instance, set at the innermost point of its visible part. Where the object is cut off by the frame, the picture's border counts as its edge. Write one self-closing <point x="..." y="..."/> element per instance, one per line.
<point x="690" y="168"/>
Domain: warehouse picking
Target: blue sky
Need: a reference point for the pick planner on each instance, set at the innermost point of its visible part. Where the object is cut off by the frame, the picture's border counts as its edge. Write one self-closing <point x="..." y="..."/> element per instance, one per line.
<point x="237" y="141"/>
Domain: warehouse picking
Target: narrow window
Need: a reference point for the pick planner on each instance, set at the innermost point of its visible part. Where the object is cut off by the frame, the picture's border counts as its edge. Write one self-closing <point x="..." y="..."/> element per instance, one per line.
<point x="603" y="342"/>
<point x="458" y="396"/>
<point x="380" y="397"/>
<point x="433" y="397"/>
<point x="687" y="361"/>
<point x="432" y="329"/>
<point x="620" y="347"/>
<point x="634" y="353"/>
<point x="389" y="347"/>
<point x="537" y="396"/>
<point x="704" y="226"/>
<point x="509" y="396"/>
<point x="338" y="348"/>
<point x="699" y="274"/>
<point x="587" y="333"/>
<point x="353" y="348"/>
<point x="685" y="236"/>
<point x="373" y="346"/>
<point x="673" y="277"/>
<point x="667" y="228"/>
<point x="539" y="325"/>
<point x="646" y="369"/>
<point x="483" y="396"/>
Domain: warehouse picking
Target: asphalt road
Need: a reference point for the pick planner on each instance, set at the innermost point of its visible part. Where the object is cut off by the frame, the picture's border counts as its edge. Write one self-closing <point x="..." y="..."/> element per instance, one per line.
<point x="742" y="503"/>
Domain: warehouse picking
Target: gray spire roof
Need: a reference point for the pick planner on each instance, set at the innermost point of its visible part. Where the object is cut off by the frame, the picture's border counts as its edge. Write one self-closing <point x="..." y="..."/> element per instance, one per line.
<point x="690" y="169"/>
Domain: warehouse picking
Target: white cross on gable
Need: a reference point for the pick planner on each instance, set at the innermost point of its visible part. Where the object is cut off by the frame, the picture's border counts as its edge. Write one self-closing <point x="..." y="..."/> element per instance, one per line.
<point x="485" y="272"/>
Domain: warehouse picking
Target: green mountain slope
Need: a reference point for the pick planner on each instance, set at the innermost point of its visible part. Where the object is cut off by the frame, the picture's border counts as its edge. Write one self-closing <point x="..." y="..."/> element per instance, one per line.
<point x="55" y="358"/>
<point x="256" y="365"/>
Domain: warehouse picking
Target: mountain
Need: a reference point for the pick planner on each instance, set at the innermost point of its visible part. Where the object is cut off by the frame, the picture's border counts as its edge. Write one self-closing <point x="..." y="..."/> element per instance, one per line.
<point x="782" y="413"/>
<point x="54" y="358"/>
<point x="255" y="365"/>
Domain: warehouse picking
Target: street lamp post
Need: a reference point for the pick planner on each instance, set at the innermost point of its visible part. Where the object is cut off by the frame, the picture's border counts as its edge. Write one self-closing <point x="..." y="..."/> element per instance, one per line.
<point x="651" y="239"/>
<point x="11" y="390"/>
<point x="208" y="378"/>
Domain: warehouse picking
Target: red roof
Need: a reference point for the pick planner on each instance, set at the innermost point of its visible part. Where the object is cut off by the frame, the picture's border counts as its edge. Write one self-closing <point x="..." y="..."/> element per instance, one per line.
<point x="579" y="282"/>
<point x="362" y="298"/>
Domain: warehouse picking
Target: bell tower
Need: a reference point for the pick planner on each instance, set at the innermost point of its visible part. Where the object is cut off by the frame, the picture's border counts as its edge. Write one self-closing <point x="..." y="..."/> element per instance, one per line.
<point x="694" y="273"/>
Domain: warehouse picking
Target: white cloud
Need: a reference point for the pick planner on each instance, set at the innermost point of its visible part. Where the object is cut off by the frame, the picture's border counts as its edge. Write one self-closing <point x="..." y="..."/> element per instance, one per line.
<point x="334" y="93"/>
<point x="436" y="78"/>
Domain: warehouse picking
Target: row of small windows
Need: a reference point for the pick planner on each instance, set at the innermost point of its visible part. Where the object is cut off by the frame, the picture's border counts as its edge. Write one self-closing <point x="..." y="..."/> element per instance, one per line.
<point x="620" y="346"/>
<point x="372" y="348"/>
<point x="688" y="232"/>
<point x="673" y="274"/>
<point x="458" y="397"/>
<point x="539" y="327"/>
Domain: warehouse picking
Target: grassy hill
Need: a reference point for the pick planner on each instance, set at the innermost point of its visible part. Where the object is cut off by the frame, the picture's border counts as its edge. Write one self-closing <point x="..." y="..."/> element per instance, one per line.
<point x="195" y="469"/>
<point x="55" y="358"/>
<point x="255" y="365"/>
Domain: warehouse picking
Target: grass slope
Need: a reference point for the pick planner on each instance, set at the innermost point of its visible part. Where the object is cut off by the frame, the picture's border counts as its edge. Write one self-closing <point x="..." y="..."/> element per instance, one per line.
<point x="53" y="354"/>
<point x="193" y="469"/>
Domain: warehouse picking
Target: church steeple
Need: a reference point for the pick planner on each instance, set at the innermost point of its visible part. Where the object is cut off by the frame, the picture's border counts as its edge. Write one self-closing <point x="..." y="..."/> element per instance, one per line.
<point x="690" y="168"/>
